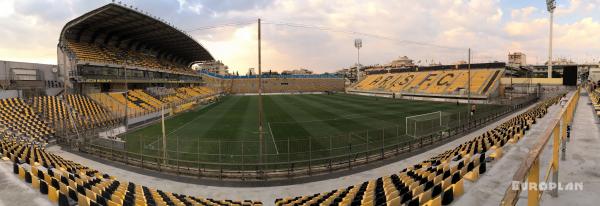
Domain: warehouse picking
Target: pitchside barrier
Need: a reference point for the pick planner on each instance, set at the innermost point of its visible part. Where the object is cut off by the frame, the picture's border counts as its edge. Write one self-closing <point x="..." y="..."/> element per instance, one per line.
<point x="529" y="170"/>
<point x="283" y="158"/>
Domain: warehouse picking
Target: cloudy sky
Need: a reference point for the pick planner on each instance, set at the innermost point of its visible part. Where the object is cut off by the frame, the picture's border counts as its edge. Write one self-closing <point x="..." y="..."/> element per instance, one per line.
<point x="323" y="31"/>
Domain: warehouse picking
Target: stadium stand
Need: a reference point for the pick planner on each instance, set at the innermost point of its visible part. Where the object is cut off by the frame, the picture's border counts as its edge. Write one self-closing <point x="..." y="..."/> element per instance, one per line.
<point x="92" y="114"/>
<point x="140" y="102"/>
<point x="183" y="94"/>
<point x="108" y="54"/>
<point x="133" y="109"/>
<point x="18" y="119"/>
<point x="145" y="100"/>
<point x="160" y="91"/>
<point x="115" y="48"/>
<point x="275" y="83"/>
<point x="53" y="110"/>
<point x="110" y="103"/>
<point x="438" y="180"/>
<point x="68" y="183"/>
<point x="281" y="85"/>
<point x="431" y="82"/>
<point x="56" y="111"/>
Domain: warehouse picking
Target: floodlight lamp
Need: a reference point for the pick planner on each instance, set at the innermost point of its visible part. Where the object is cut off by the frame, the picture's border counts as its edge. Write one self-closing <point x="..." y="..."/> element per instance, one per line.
<point x="358" y="43"/>
<point x="551" y="5"/>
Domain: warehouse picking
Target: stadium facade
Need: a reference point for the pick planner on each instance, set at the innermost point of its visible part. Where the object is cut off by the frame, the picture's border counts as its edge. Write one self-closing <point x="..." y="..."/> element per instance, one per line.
<point x="19" y="79"/>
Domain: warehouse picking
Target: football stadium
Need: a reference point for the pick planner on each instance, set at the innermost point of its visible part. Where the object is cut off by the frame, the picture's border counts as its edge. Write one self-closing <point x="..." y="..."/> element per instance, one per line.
<point x="138" y="112"/>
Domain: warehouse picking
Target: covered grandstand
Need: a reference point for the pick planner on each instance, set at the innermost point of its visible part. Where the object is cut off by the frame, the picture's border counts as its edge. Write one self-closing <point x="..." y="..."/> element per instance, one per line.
<point x="111" y="45"/>
<point x="115" y="62"/>
<point x="130" y="62"/>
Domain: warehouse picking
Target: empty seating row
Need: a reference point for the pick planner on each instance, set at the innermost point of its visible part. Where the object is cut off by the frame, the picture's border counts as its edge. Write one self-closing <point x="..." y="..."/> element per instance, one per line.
<point x="90" y="114"/>
<point x="110" y="103"/>
<point x="132" y="109"/>
<point x="436" y="181"/>
<point x="109" y="54"/>
<point x="141" y="102"/>
<point x="185" y="93"/>
<point x="149" y="102"/>
<point x="160" y="91"/>
<point x="52" y="109"/>
<point x="18" y="119"/>
<point x="68" y="183"/>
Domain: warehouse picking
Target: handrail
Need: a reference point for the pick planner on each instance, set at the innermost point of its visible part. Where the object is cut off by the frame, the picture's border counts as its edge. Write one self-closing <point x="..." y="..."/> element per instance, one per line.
<point x="529" y="168"/>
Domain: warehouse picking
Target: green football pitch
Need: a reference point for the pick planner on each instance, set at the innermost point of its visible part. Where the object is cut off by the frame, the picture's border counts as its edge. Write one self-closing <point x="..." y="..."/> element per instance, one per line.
<point x="296" y="128"/>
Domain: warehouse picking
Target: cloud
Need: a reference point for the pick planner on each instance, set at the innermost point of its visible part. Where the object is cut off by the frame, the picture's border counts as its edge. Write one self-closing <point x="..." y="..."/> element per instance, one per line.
<point x="574" y="5"/>
<point x="523" y="13"/>
<point x="322" y="32"/>
<point x="526" y="28"/>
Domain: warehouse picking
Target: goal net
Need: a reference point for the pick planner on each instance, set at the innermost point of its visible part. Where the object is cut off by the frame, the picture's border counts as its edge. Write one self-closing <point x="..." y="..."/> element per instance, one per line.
<point x="426" y="124"/>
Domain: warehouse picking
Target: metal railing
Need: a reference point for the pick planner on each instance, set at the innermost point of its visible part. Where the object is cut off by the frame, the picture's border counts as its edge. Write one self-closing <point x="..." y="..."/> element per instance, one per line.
<point x="239" y="160"/>
<point x="529" y="170"/>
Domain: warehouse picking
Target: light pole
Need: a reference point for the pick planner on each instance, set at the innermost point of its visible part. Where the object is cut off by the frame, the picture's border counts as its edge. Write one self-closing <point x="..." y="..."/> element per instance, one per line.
<point x="358" y="45"/>
<point x="469" y="82"/>
<point x="551" y="5"/>
<point x="260" y="106"/>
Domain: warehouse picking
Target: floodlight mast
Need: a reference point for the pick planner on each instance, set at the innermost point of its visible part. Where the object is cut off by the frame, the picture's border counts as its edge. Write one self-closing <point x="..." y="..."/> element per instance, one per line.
<point x="358" y="45"/>
<point x="551" y="5"/>
<point x="469" y="82"/>
<point x="260" y="106"/>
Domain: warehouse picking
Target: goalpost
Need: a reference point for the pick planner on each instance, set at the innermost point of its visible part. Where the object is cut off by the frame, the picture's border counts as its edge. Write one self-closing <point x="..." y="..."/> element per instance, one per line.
<point x="426" y="124"/>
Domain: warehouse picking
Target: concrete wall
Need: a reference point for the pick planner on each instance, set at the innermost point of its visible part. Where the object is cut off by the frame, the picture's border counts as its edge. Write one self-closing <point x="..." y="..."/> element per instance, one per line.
<point x="594" y="74"/>
<point x="65" y="65"/>
<point x="146" y="118"/>
<point x="542" y="81"/>
<point x="5" y="94"/>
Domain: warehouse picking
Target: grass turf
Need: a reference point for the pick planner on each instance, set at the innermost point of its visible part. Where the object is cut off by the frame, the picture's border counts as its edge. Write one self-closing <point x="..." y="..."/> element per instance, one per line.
<point x="297" y="128"/>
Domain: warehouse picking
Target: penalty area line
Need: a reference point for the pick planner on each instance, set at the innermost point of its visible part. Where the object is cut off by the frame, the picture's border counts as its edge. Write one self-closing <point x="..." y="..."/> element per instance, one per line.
<point x="273" y="137"/>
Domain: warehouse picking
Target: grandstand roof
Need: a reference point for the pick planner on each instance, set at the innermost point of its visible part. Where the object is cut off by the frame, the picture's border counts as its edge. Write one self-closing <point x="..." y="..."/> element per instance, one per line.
<point x="118" y="25"/>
